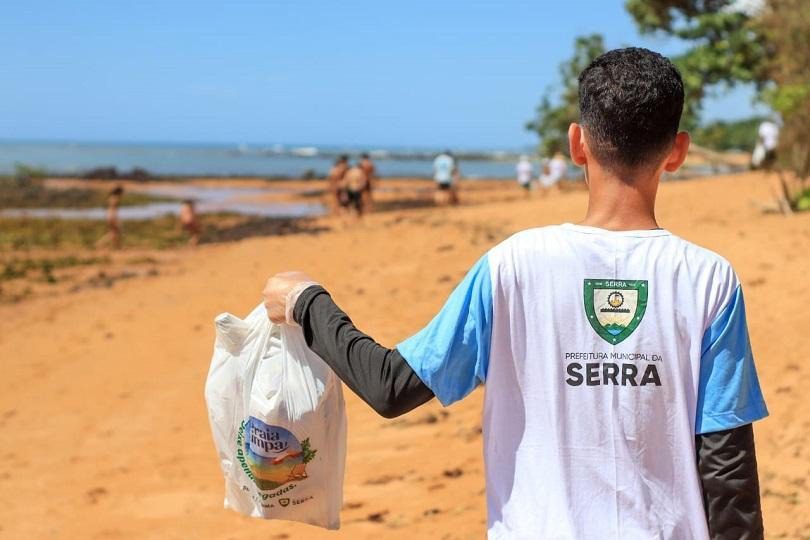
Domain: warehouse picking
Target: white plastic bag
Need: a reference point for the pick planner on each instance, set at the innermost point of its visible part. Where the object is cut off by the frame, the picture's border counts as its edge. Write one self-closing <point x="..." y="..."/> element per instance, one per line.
<point x="278" y="420"/>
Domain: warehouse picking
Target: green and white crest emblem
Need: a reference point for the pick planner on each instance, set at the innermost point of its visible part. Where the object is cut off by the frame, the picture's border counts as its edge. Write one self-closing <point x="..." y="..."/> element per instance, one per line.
<point x="615" y="307"/>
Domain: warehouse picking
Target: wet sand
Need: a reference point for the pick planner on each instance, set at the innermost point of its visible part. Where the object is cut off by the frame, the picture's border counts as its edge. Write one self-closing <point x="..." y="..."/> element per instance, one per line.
<point x="104" y="427"/>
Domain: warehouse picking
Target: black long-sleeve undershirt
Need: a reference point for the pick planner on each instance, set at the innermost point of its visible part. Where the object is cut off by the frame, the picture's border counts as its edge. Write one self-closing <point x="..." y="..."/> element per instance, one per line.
<point x="726" y="460"/>
<point x="380" y="376"/>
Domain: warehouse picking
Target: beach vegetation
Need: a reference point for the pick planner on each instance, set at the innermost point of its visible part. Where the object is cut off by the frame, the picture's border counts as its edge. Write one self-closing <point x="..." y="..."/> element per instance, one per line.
<point x="786" y="26"/>
<point x="726" y="45"/>
<point x="18" y="268"/>
<point x="27" y="190"/>
<point x="559" y="105"/>
<point x="725" y="135"/>
<point x="762" y="43"/>
<point x="164" y="232"/>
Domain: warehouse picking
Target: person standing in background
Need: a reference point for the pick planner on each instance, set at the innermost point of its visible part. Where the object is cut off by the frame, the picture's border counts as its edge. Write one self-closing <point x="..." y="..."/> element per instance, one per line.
<point x="443" y="167"/>
<point x="525" y="171"/>
<point x="355" y="184"/>
<point x="557" y="167"/>
<point x="764" y="157"/>
<point x="456" y="180"/>
<point x="768" y="138"/>
<point x="371" y="181"/>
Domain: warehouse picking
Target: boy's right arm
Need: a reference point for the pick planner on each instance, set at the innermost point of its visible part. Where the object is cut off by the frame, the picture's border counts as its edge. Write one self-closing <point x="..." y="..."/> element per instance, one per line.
<point x="380" y="376"/>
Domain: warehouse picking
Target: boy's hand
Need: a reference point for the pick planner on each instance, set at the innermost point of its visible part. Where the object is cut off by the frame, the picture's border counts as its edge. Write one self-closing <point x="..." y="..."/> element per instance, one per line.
<point x="281" y="292"/>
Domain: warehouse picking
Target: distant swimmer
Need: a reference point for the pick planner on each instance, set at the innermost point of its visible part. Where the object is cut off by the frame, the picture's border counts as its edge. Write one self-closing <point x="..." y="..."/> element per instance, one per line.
<point x="355" y="183"/>
<point x="443" y="169"/>
<point x="334" y="180"/>
<point x="113" y="235"/>
<point x="189" y="222"/>
<point x="525" y="172"/>
<point x="371" y="181"/>
<point x="556" y="169"/>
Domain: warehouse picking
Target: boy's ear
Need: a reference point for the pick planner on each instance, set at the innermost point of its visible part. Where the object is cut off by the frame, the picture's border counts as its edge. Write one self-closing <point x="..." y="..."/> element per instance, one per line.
<point x="678" y="153"/>
<point x="576" y="144"/>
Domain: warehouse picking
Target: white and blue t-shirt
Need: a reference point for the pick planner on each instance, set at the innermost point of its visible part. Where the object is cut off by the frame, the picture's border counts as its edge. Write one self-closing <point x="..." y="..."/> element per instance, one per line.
<point x="443" y="169"/>
<point x="602" y="354"/>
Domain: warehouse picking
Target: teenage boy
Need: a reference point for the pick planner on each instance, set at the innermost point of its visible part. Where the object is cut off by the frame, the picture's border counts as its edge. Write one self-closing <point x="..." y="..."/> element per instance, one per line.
<point x="620" y="385"/>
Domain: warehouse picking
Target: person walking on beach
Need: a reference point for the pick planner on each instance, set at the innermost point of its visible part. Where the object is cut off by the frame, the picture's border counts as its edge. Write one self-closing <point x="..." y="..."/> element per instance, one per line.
<point x="112" y="237"/>
<point x="525" y="172"/>
<point x="555" y="171"/>
<point x="189" y="221"/>
<point x="355" y="184"/>
<point x="443" y="168"/>
<point x="371" y="181"/>
<point x="764" y="157"/>
<point x="620" y="383"/>
<point x="768" y="139"/>
<point x="337" y="195"/>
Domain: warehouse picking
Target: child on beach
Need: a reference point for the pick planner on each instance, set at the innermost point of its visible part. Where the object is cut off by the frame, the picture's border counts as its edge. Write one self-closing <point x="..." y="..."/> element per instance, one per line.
<point x="189" y="222"/>
<point x="620" y="383"/>
<point x="113" y="235"/>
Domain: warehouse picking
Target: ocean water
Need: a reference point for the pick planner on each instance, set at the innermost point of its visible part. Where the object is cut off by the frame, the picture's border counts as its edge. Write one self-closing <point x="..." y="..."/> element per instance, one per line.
<point x="224" y="160"/>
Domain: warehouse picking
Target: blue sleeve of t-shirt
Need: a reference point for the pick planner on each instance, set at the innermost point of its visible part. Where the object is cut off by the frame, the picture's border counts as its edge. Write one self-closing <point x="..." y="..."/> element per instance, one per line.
<point x="451" y="354"/>
<point x="729" y="395"/>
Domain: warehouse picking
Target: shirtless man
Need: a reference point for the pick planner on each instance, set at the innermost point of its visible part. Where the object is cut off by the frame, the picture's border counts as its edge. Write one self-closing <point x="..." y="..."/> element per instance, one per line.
<point x="371" y="179"/>
<point x="355" y="183"/>
<point x="335" y="180"/>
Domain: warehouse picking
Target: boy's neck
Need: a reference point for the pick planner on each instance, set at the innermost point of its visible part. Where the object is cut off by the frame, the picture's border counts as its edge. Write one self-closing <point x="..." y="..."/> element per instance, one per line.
<point x="618" y="205"/>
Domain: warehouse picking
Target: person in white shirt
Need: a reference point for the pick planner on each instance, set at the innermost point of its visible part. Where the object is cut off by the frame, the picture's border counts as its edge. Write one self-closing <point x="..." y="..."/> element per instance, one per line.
<point x="556" y="169"/>
<point x="524" y="171"/>
<point x="620" y="386"/>
<point x="443" y="169"/>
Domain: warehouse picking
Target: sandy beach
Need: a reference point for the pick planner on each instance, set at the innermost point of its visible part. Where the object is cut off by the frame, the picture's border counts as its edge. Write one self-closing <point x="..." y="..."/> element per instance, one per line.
<point x="104" y="426"/>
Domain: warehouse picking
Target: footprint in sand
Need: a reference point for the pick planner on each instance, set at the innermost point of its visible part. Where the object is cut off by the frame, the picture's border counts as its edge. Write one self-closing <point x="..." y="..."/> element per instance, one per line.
<point x="95" y="494"/>
<point x="377" y="517"/>
<point x="382" y="480"/>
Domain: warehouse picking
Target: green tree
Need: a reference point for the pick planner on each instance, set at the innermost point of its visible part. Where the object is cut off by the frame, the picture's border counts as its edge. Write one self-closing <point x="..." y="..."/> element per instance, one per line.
<point x="724" y="135"/>
<point x="786" y="26"/>
<point x="726" y="49"/>
<point x="555" y="115"/>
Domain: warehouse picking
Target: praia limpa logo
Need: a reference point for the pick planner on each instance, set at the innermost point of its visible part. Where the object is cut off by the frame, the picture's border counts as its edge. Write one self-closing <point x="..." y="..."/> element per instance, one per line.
<point x="270" y="455"/>
<point x="615" y="307"/>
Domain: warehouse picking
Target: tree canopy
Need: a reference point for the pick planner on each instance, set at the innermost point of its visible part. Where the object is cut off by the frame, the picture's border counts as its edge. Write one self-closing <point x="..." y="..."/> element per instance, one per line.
<point x="555" y="114"/>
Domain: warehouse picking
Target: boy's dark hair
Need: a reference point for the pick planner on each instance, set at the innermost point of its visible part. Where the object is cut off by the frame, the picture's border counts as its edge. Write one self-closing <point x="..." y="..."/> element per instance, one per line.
<point x="630" y="102"/>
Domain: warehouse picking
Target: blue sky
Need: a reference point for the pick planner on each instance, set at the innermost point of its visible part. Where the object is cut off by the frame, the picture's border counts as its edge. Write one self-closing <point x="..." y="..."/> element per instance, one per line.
<point x="376" y="73"/>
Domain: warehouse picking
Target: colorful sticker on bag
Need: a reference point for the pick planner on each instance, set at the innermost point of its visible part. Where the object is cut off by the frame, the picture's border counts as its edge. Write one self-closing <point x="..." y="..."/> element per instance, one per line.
<point x="270" y="455"/>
